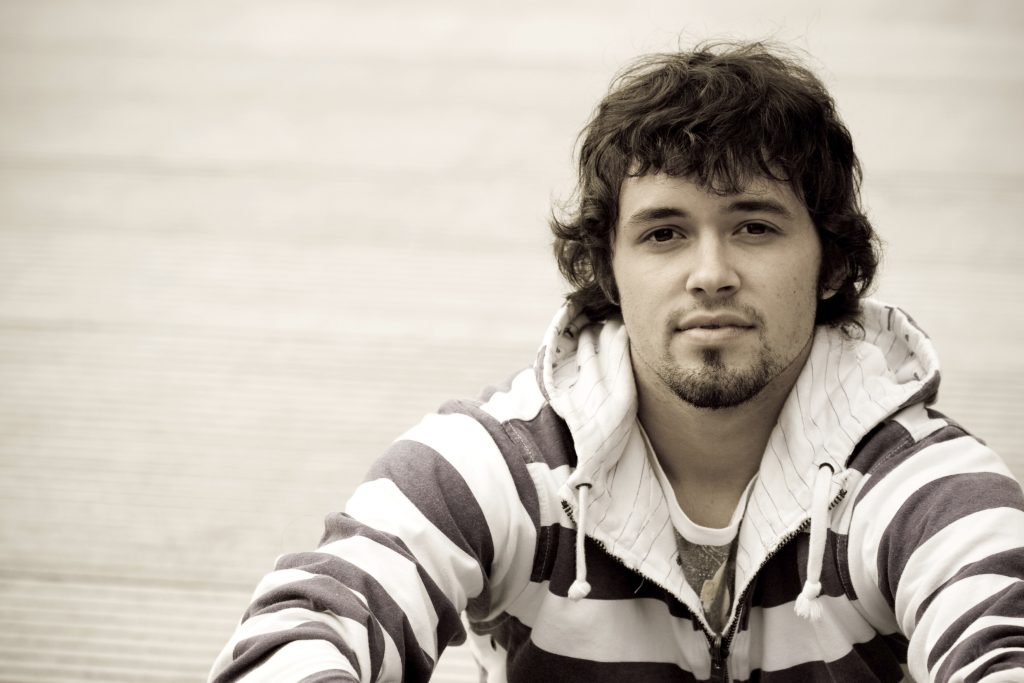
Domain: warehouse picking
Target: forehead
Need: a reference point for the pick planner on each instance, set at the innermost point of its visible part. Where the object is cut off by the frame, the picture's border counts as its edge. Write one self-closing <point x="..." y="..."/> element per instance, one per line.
<point x="637" y="192"/>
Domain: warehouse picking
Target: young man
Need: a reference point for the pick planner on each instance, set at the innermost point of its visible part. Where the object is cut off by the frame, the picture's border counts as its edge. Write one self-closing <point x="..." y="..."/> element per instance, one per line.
<point x="723" y="466"/>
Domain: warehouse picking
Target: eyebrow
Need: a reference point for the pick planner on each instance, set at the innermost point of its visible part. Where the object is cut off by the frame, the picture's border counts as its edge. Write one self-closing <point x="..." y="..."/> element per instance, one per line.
<point x="657" y="213"/>
<point x="759" y="206"/>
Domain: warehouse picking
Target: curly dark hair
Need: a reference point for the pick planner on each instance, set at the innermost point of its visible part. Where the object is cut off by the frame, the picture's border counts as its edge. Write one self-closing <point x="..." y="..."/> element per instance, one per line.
<point x="721" y="114"/>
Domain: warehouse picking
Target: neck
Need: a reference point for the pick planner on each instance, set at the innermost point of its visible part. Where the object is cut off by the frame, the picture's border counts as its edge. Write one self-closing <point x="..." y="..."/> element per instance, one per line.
<point x="710" y="455"/>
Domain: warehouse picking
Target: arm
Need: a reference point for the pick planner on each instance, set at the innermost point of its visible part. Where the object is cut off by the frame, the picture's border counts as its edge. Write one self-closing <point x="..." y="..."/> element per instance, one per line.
<point x="438" y="526"/>
<point x="939" y="546"/>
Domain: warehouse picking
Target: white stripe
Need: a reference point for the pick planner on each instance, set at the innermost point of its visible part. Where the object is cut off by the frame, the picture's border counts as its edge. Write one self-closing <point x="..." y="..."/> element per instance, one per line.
<point x="530" y="603"/>
<point x="278" y="578"/>
<point x="523" y="399"/>
<point x="328" y="657"/>
<point x="400" y="579"/>
<point x="606" y="630"/>
<point x="548" y="481"/>
<point x="1015" y="675"/>
<point x="832" y="638"/>
<point x="969" y="539"/>
<point x="876" y="510"/>
<point x="467" y="446"/>
<point x="489" y="656"/>
<point x="391" y="668"/>
<point x="297" y="660"/>
<point x="381" y="505"/>
<point x="916" y="421"/>
<point x="945" y="611"/>
<point x="980" y="625"/>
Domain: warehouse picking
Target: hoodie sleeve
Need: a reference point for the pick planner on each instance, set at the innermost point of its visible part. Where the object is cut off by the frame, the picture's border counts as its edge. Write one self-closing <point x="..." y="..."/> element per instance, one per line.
<point x="438" y="527"/>
<point x="937" y="551"/>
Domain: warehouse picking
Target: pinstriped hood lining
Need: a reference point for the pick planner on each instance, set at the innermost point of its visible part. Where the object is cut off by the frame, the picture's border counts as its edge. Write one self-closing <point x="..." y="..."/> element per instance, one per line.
<point x="845" y="389"/>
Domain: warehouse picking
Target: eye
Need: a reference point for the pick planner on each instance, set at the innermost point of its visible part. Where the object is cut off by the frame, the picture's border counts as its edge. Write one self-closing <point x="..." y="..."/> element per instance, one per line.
<point x="662" y="234"/>
<point x="757" y="229"/>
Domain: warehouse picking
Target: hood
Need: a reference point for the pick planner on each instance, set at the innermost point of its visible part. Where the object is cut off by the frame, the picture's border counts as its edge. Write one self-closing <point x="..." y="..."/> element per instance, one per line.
<point x="846" y="388"/>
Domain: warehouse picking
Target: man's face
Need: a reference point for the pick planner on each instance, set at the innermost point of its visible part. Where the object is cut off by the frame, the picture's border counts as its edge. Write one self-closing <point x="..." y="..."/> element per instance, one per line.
<point x="718" y="293"/>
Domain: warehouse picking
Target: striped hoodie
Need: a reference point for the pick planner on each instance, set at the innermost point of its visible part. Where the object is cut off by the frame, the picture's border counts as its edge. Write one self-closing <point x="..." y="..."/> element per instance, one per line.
<point x="880" y="542"/>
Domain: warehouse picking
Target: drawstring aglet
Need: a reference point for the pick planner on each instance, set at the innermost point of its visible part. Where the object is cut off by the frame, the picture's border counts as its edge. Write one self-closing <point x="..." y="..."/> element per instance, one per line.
<point x="807" y="604"/>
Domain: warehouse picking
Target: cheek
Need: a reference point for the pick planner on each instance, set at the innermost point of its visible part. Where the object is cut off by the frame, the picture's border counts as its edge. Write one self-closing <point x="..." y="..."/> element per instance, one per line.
<point x="802" y="303"/>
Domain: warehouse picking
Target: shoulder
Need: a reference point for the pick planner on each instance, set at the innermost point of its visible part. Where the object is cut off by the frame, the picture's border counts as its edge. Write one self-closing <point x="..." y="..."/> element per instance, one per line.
<point x="927" y="500"/>
<point x="920" y="447"/>
<point x="516" y="417"/>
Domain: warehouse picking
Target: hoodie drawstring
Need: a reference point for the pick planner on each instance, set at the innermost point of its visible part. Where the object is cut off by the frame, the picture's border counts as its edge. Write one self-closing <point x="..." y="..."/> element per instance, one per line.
<point x="580" y="588"/>
<point x="807" y="605"/>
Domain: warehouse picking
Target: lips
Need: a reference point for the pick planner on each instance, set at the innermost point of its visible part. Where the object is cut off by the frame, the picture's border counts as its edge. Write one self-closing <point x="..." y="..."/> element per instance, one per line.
<point x="714" y="321"/>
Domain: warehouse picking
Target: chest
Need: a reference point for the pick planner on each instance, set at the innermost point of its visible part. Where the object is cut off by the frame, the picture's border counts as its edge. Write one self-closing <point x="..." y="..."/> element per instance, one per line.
<point x="630" y="628"/>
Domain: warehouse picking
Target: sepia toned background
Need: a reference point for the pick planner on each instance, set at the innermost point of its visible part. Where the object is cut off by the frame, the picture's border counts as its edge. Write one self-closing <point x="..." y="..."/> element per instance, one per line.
<point x="244" y="245"/>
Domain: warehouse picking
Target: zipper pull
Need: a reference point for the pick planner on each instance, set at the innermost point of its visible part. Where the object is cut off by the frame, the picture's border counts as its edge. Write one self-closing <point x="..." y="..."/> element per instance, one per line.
<point x="719" y="670"/>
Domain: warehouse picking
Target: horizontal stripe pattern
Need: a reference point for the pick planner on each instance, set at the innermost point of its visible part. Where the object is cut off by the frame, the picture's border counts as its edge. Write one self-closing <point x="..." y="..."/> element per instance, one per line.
<point x="956" y="499"/>
<point x="874" y="660"/>
<point x="532" y="662"/>
<point x="473" y="510"/>
<point x="946" y="527"/>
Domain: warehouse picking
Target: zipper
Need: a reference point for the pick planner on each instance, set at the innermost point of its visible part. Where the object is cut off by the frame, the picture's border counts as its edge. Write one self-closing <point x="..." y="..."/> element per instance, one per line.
<point x="719" y="661"/>
<point x="718" y="644"/>
<point x="719" y="648"/>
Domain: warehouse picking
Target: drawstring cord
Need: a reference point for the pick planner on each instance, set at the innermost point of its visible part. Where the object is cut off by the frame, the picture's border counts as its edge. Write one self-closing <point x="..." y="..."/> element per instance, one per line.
<point x="807" y="605"/>
<point x="580" y="588"/>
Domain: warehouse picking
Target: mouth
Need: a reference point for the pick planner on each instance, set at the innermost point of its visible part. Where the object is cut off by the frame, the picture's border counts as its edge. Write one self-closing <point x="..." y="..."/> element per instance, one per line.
<point x="712" y="328"/>
<point x="714" y="334"/>
<point x="714" y="322"/>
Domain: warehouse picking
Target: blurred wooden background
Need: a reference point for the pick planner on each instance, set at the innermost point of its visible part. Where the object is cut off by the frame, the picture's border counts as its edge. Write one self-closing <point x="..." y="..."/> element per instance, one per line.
<point x="243" y="245"/>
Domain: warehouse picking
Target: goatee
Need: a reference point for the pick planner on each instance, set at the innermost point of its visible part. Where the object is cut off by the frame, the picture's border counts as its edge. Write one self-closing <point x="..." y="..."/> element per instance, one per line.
<point x="714" y="386"/>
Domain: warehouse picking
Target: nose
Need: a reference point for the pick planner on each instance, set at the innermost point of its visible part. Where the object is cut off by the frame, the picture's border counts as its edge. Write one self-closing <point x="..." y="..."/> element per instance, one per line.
<point x="712" y="274"/>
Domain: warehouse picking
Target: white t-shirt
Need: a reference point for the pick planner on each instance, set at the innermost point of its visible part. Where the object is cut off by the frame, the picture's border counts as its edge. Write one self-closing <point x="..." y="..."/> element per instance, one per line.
<point x="707" y="555"/>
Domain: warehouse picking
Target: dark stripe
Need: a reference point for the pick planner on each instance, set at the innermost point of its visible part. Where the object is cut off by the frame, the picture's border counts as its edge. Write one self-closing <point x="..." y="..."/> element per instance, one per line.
<point x="449" y="625"/>
<point x="547" y="438"/>
<point x="842" y="542"/>
<point x="548" y="538"/>
<point x="383" y="607"/>
<point x="438" y="491"/>
<point x="878" y="444"/>
<point x="609" y="579"/>
<point x="330" y="677"/>
<point x="514" y="454"/>
<point x="973" y="646"/>
<point x="323" y="594"/>
<point x="927" y="393"/>
<point x="1004" y="661"/>
<point x="782" y="579"/>
<point x="1008" y="602"/>
<point x="1006" y="563"/>
<point x="901" y="451"/>
<point x="931" y="509"/>
<point x="528" y="663"/>
<point x="936" y="415"/>
<point x="251" y="652"/>
<point x="879" y="659"/>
